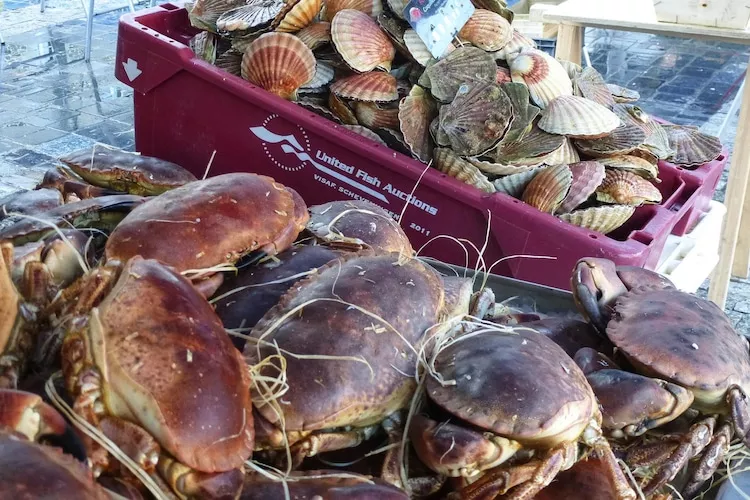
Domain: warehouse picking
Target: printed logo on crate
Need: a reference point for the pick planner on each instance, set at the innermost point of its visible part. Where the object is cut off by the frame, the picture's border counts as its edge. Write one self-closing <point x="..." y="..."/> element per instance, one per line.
<point x="293" y="152"/>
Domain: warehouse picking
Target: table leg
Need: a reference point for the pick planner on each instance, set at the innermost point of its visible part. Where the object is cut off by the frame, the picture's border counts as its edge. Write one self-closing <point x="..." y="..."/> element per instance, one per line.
<point x="737" y="184"/>
<point x="569" y="43"/>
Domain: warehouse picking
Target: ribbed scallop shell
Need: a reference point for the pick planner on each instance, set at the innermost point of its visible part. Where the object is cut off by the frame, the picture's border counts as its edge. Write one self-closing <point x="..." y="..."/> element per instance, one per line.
<point x="341" y="109"/>
<point x="622" y="140"/>
<point x="503" y="76"/>
<point x="601" y="219"/>
<point x="578" y="118"/>
<point x="323" y="76"/>
<point x="465" y="65"/>
<point x="416" y="47"/>
<point x="301" y="16"/>
<point x="230" y="61"/>
<point x="490" y="168"/>
<point x="361" y="42"/>
<point x="451" y="164"/>
<point x="279" y="63"/>
<point x="656" y="140"/>
<point x="633" y="164"/>
<point x="394" y="140"/>
<point x="476" y="119"/>
<point x="415" y="113"/>
<point x="587" y="176"/>
<point x="370" y="7"/>
<point x="496" y="6"/>
<point x="373" y="116"/>
<point x="515" y="184"/>
<point x="204" y="45"/>
<point x="438" y="134"/>
<point x="565" y="154"/>
<point x="517" y="43"/>
<point x="536" y="144"/>
<point x="365" y="132"/>
<point x="592" y="86"/>
<point x="549" y="188"/>
<point x="315" y="35"/>
<point x="395" y="29"/>
<point x="625" y="188"/>
<point x="314" y="105"/>
<point x="252" y="15"/>
<point x="375" y="86"/>
<point x="544" y="76"/>
<point x="571" y="68"/>
<point x="623" y="94"/>
<point x="486" y="30"/>
<point x="691" y="146"/>
<point x="524" y="112"/>
<point x="204" y="13"/>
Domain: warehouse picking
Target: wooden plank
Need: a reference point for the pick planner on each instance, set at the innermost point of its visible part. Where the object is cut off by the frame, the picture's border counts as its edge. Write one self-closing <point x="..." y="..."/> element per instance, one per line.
<point x="741" y="265"/>
<point x="739" y="175"/>
<point x="569" y="43"/>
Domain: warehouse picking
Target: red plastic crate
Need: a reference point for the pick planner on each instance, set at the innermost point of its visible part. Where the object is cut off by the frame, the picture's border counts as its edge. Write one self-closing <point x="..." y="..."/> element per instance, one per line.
<point x="185" y="109"/>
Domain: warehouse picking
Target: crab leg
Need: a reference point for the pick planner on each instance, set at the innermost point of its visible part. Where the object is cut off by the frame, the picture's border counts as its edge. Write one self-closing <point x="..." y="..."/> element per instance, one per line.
<point x="712" y="457"/>
<point x="740" y="407"/>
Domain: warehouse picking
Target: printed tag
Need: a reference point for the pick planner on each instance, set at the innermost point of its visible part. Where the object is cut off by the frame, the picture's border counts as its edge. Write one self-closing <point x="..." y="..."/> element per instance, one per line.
<point x="437" y="22"/>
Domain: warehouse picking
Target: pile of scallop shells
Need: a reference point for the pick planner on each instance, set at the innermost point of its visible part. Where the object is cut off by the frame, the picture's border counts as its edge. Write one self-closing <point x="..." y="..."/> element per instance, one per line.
<point x="493" y="112"/>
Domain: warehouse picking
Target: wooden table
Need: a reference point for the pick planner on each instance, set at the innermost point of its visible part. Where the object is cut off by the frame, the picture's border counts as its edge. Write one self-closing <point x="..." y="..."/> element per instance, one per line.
<point x="640" y="16"/>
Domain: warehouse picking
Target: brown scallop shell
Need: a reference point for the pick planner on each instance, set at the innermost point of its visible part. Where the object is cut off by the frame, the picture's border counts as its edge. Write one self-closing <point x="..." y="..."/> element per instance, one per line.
<point x="592" y="86"/>
<point x="515" y="184"/>
<point x="623" y="94"/>
<point x="451" y="164"/>
<point x="565" y="154"/>
<point x="634" y="164"/>
<point x="465" y="65"/>
<point x="397" y="7"/>
<point x="691" y="146"/>
<point x="374" y="86"/>
<point x="524" y="112"/>
<point x="496" y="6"/>
<point x="476" y="119"/>
<point x="587" y="176"/>
<point x="487" y="30"/>
<point x="438" y="134"/>
<point x="394" y="140"/>
<point x="534" y="145"/>
<point x="279" y="63"/>
<point x="365" y="132"/>
<point x="253" y="15"/>
<point x="374" y="116"/>
<point x="204" y="45"/>
<point x="370" y="7"/>
<point x="315" y="35"/>
<point x="656" y="139"/>
<point x="578" y="118"/>
<point x="517" y="43"/>
<point x="622" y="140"/>
<point x="230" y="61"/>
<point x="490" y="168"/>
<point x="415" y="113"/>
<point x="341" y="109"/>
<point x="361" y="42"/>
<point x="317" y="107"/>
<point x="300" y="16"/>
<point x="543" y="74"/>
<point x="395" y="29"/>
<point x="603" y="219"/>
<point x="625" y="188"/>
<point x="548" y="188"/>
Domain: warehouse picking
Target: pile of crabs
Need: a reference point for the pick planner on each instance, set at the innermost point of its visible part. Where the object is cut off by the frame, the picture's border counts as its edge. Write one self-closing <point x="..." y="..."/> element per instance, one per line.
<point x="168" y="337"/>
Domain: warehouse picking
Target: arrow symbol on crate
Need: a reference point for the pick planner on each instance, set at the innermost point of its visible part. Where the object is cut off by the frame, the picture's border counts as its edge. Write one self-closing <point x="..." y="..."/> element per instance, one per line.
<point x="131" y="69"/>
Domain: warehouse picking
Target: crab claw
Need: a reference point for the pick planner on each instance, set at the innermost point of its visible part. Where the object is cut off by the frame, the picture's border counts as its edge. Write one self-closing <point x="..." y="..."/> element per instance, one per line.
<point x="26" y="414"/>
<point x="596" y="286"/>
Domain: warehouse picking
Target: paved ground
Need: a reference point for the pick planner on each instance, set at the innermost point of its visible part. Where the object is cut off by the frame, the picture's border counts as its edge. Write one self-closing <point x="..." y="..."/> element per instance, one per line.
<point x="51" y="102"/>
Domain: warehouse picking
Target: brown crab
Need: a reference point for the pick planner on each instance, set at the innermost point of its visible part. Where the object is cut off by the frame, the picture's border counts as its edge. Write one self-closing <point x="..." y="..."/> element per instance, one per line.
<point x="211" y="222"/>
<point x="504" y="397"/>
<point x="147" y="362"/>
<point x="319" y="484"/>
<point x="681" y="339"/>
<point x="30" y="202"/>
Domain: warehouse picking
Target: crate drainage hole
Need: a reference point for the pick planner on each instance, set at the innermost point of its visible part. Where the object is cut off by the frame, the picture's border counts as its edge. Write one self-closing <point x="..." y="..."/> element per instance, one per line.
<point x="593" y="237"/>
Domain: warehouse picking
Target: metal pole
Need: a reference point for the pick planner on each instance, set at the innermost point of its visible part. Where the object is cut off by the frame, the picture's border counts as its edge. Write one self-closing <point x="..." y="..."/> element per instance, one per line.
<point x="89" y="30"/>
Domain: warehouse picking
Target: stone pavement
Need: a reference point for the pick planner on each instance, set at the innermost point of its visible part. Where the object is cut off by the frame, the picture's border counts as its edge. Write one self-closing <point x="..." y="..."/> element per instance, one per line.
<point x="52" y="102"/>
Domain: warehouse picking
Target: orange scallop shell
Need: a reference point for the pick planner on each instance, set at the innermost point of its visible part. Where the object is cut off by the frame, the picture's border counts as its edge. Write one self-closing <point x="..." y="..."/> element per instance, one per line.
<point x="361" y="42"/>
<point x="375" y="86"/>
<point x="300" y="16"/>
<point x="549" y="188"/>
<point x="486" y="30"/>
<point x="373" y="116"/>
<point x="450" y="163"/>
<point x="415" y="114"/>
<point x="543" y="74"/>
<point x="365" y="132"/>
<point x="341" y="109"/>
<point x="626" y="188"/>
<point x="315" y="35"/>
<point x="279" y="63"/>
<point x="370" y="7"/>
<point x="603" y="219"/>
<point x="587" y="176"/>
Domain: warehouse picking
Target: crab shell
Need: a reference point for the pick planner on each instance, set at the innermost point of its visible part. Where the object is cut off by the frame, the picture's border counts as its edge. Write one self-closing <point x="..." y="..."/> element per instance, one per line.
<point x="521" y="386"/>
<point x="167" y="364"/>
<point x="319" y="484"/>
<point x="30" y="202"/>
<point x="329" y="393"/>
<point x="210" y="222"/>
<point x="33" y="471"/>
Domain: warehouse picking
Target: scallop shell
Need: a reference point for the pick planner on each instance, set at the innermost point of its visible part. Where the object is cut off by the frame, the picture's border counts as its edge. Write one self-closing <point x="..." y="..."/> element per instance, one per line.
<point x="487" y="30"/>
<point x="375" y="86"/>
<point x="578" y="118"/>
<point x="496" y="6"/>
<point x="300" y="16"/>
<point x="656" y="139"/>
<point x="623" y="94"/>
<point x="415" y="113"/>
<point x="691" y="146"/>
<point x="365" y="132"/>
<point x="252" y="15"/>
<point x="203" y="45"/>
<point x="341" y="109"/>
<point x="465" y="65"/>
<point x="534" y="145"/>
<point x="634" y="164"/>
<point x="204" y="13"/>
<point x="544" y="76"/>
<point x="476" y="119"/>
<point x="395" y="29"/>
<point x="416" y="47"/>
<point x="549" y="188"/>
<point x="373" y="116"/>
<point x="645" y="154"/>
<point x="397" y="7"/>
<point x="622" y="140"/>
<point x="323" y="76"/>
<point x="592" y="86"/>
<point x="601" y="219"/>
<point x="230" y="61"/>
<point x="517" y="43"/>
<point x="394" y="140"/>
<point x="565" y="154"/>
<point x="361" y="42"/>
<point x="571" y="68"/>
<point x="279" y="63"/>
<point x="524" y="113"/>
<point x="438" y="135"/>
<point x="587" y="176"/>
<point x="625" y="188"/>
<point x="370" y="7"/>
<point x="503" y="76"/>
<point x="315" y="35"/>
<point x="490" y="168"/>
<point x="450" y="163"/>
<point x="515" y="184"/>
<point x="316" y="107"/>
